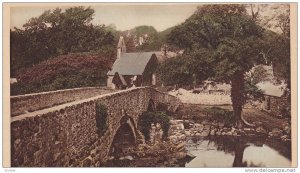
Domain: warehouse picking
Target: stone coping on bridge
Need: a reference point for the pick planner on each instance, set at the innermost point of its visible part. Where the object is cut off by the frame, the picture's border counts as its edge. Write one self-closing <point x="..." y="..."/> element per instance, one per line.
<point x="70" y="104"/>
<point x="56" y="91"/>
<point x="22" y="104"/>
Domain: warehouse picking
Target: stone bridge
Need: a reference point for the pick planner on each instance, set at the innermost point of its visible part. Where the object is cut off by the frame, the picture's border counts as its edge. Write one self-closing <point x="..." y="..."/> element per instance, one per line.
<point x="68" y="135"/>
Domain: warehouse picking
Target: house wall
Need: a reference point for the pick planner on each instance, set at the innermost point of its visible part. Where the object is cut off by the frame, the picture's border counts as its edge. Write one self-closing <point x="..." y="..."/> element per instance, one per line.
<point x="276" y="106"/>
<point x="110" y="83"/>
<point x="149" y="71"/>
<point x="139" y="81"/>
<point x="153" y="79"/>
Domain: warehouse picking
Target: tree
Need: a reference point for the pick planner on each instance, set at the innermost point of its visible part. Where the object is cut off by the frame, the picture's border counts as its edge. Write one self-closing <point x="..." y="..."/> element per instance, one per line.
<point x="129" y="42"/>
<point x="276" y="51"/>
<point x="258" y="74"/>
<point x="232" y="37"/>
<point x="274" y="17"/>
<point x="150" y="38"/>
<point x="55" y="33"/>
<point x="185" y="69"/>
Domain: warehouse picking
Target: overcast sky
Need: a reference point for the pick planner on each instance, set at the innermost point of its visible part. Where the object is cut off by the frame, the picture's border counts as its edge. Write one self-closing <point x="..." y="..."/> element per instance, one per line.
<point x="122" y="16"/>
<point x="125" y="16"/>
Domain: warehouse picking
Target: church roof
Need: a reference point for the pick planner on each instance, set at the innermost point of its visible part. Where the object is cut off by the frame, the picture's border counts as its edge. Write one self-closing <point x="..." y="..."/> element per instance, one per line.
<point x="131" y="63"/>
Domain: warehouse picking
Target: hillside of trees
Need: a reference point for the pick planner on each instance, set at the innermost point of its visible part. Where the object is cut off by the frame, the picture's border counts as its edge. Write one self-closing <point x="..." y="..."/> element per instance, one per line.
<point x="145" y="38"/>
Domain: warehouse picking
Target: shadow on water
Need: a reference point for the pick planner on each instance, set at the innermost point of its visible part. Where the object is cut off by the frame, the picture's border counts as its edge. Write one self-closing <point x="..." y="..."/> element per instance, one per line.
<point x="238" y="152"/>
<point x="221" y="151"/>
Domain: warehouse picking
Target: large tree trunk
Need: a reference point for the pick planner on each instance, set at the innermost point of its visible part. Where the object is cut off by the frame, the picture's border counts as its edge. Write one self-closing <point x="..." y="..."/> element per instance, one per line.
<point x="238" y="99"/>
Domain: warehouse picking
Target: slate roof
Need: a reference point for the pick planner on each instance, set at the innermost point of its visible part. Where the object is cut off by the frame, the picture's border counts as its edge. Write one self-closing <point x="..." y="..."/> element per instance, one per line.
<point x="131" y="63"/>
<point x="270" y="89"/>
<point x="161" y="57"/>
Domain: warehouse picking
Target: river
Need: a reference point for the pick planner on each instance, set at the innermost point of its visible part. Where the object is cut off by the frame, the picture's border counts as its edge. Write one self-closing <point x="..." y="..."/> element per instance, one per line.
<point x="221" y="151"/>
<point x="238" y="152"/>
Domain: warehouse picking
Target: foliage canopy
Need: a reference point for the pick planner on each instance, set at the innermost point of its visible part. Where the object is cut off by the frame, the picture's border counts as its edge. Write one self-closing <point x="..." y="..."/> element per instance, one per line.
<point x="55" y="33"/>
<point x="225" y="43"/>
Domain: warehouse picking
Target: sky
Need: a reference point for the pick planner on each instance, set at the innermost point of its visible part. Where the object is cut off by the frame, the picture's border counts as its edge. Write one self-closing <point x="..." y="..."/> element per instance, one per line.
<point x="127" y="16"/>
<point x="123" y="16"/>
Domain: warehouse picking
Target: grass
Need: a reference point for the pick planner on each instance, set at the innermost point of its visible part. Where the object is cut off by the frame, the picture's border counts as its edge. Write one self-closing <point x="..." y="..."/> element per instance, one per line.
<point x="198" y="113"/>
<point x="268" y="120"/>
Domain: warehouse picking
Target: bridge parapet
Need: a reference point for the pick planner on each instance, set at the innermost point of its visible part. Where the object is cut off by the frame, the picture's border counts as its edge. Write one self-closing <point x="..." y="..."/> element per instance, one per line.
<point x="21" y="104"/>
<point x="66" y="135"/>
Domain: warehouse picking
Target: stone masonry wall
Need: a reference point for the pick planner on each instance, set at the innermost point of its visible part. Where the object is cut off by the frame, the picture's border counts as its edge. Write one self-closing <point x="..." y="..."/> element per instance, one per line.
<point x="66" y="135"/>
<point x="277" y="105"/>
<point x="272" y="104"/>
<point x="31" y="102"/>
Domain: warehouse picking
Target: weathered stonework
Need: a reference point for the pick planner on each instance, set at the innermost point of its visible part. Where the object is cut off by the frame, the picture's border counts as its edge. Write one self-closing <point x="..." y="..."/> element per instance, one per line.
<point x="272" y="104"/>
<point x="275" y="105"/>
<point x="66" y="135"/>
<point x="32" y="102"/>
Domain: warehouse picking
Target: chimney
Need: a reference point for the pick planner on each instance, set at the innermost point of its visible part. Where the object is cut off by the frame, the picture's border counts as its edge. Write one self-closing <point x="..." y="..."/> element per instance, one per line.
<point x="119" y="52"/>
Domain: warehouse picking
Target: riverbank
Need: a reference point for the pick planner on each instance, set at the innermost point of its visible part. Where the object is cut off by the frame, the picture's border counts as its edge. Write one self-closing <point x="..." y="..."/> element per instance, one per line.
<point x="191" y="126"/>
<point x="264" y="121"/>
<point x="163" y="153"/>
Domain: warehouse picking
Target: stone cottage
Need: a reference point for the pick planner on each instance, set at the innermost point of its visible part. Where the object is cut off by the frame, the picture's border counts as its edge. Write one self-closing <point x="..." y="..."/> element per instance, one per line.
<point x="132" y="69"/>
<point x="275" y="102"/>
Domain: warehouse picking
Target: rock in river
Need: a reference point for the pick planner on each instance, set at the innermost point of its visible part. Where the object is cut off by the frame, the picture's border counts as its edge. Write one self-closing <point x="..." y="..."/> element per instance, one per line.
<point x="212" y="132"/>
<point x="276" y="132"/>
<point x="205" y="133"/>
<point x="261" y="130"/>
<point x="128" y="157"/>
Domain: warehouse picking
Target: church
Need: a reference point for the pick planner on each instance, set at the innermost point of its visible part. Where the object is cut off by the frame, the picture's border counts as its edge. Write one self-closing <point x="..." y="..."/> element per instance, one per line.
<point x="132" y="69"/>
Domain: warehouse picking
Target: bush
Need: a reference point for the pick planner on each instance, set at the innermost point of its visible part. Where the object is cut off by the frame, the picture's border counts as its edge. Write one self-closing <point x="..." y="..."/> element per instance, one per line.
<point x="101" y="118"/>
<point x="147" y="118"/>
<point x="63" y="72"/>
<point x="220" y="115"/>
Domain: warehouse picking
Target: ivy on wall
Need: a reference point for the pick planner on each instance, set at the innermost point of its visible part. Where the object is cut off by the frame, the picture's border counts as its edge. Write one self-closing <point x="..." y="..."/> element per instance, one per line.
<point x="147" y="118"/>
<point x="101" y="118"/>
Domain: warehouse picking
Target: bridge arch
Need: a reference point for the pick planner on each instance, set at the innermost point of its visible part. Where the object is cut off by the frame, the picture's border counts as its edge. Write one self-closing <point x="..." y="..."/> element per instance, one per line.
<point x="151" y="106"/>
<point x="125" y="136"/>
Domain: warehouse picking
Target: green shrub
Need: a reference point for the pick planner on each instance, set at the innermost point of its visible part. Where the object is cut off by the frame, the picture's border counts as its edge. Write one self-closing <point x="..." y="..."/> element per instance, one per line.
<point x="101" y="118"/>
<point x="147" y="118"/>
<point x="220" y="114"/>
<point x="64" y="72"/>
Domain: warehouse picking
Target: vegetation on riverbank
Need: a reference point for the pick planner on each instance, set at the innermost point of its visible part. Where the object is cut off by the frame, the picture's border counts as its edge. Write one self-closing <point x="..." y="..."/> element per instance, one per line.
<point x="149" y="118"/>
<point x="199" y="114"/>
